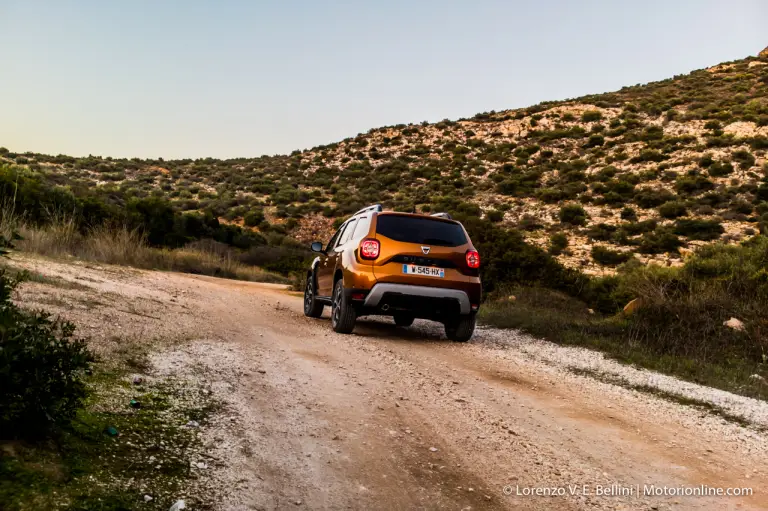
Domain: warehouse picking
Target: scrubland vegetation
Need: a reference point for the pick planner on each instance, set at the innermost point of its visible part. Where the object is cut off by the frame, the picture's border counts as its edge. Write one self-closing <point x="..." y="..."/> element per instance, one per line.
<point x="145" y="233"/>
<point x="645" y="161"/>
<point x="679" y="325"/>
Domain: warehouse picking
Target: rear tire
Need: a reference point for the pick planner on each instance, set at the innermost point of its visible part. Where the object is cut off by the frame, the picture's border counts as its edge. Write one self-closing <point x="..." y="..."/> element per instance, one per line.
<point x="342" y="313"/>
<point x="403" y="320"/>
<point x="461" y="330"/>
<point x="312" y="308"/>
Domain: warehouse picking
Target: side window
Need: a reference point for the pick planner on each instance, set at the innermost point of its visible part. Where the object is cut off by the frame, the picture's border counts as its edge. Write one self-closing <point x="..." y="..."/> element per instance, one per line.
<point x="362" y="227"/>
<point x="348" y="231"/>
<point x="337" y="238"/>
<point x="333" y="240"/>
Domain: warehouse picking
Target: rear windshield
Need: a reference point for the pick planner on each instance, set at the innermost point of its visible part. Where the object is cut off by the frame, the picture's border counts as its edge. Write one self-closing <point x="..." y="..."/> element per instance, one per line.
<point x="424" y="231"/>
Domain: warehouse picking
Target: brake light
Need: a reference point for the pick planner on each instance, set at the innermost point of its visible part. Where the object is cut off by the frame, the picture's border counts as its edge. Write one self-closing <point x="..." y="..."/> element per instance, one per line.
<point x="369" y="249"/>
<point x="473" y="259"/>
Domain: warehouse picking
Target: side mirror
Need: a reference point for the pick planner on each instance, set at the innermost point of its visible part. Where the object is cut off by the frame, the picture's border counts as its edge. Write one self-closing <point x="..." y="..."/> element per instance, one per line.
<point x="317" y="247"/>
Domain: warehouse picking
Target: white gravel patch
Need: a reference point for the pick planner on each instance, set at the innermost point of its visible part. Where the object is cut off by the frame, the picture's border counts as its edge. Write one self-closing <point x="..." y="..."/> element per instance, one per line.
<point x="218" y="366"/>
<point x="575" y="358"/>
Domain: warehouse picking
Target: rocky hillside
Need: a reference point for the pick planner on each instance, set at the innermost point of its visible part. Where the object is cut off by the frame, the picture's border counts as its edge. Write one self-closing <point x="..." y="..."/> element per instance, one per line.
<point x="649" y="171"/>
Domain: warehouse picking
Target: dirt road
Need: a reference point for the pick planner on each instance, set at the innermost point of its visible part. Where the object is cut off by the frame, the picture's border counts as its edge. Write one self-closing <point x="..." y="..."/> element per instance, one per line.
<point x="391" y="418"/>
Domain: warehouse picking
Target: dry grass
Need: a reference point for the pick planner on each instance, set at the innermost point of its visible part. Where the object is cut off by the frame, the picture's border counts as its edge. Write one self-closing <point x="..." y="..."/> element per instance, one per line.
<point x="121" y="246"/>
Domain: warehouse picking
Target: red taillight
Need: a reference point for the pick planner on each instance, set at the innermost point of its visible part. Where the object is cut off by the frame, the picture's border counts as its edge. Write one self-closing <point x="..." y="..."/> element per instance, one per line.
<point x="473" y="259"/>
<point x="369" y="249"/>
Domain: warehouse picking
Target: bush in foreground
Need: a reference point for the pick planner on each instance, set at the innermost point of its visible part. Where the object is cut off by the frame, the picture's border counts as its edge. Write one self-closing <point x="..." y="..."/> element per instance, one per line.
<point x="41" y="369"/>
<point x="684" y="309"/>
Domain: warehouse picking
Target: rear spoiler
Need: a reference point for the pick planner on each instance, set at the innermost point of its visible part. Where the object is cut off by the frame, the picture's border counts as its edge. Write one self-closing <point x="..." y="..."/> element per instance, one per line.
<point x="442" y="215"/>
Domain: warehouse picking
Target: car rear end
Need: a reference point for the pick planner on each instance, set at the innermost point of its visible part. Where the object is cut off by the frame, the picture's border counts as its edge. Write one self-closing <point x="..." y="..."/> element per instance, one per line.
<point x="423" y="266"/>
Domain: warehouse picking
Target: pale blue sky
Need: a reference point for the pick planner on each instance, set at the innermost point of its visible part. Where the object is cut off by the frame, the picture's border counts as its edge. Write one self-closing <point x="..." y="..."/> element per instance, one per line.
<point x="227" y="78"/>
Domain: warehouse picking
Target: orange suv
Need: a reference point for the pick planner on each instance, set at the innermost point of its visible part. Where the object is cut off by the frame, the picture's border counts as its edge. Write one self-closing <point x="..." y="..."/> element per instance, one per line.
<point x="397" y="264"/>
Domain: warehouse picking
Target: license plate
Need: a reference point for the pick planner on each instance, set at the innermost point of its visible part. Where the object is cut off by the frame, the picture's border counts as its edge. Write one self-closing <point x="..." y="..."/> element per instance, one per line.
<point x="426" y="271"/>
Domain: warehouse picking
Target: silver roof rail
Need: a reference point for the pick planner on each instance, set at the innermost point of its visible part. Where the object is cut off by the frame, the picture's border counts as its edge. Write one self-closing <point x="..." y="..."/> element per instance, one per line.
<point x="442" y="215"/>
<point x="376" y="207"/>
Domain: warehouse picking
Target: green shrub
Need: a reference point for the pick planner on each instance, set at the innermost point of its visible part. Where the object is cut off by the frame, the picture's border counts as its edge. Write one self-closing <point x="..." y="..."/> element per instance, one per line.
<point x="494" y="215"/>
<point x="558" y="242"/>
<point x="573" y="214"/>
<point x="714" y="199"/>
<point x="720" y="169"/>
<point x="660" y="240"/>
<point x="741" y="206"/>
<point x="591" y="116"/>
<point x="41" y="369"/>
<point x="761" y="194"/>
<point x="608" y="257"/>
<point x="712" y="125"/>
<point x="693" y="184"/>
<point x="706" y="160"/>
<point x="696" y="229"/>
<point x="628" y="213"/>
<point x="652" y="197"/>
<point x="254" y="218"/>
<point x="648" y="155"/>
<point x="529" y="223"/>
<point x="652" y="133"/>
<point x="602" y="232"/>
<point x="672" y="209"/>
<point x="633" y="228"/>
<point x="595" y="141"/>
<point x="606" y="173"/>
<point x="745" y="159"/>
<point x="551" y="195"/>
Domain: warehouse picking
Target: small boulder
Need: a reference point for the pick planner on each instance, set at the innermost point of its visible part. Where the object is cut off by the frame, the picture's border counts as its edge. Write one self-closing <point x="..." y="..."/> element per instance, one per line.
<point x="757" y="377"/>
<point x="178" y="506"/>
<point x="735" y="324"/>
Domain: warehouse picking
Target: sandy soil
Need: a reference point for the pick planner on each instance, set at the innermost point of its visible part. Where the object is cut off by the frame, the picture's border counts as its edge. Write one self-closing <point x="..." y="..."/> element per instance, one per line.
<point x="390" y="418"/>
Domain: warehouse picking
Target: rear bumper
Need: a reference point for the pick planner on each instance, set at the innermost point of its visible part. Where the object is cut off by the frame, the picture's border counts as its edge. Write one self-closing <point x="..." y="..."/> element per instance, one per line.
<point x="384" y="291"/>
